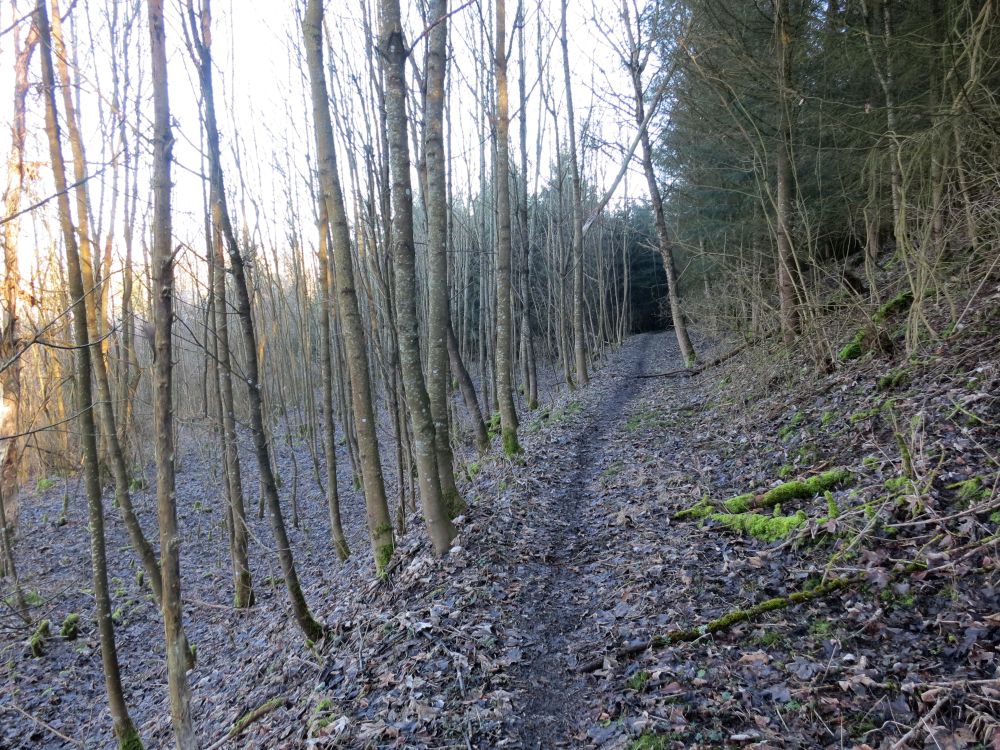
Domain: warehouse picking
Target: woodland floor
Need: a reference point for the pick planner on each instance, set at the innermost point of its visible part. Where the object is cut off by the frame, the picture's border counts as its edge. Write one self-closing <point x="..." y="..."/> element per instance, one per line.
<point x="570" y="553"/>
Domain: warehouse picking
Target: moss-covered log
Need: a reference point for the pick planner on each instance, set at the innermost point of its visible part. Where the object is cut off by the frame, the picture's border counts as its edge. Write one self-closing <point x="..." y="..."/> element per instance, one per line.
<point x="799" y="489"/>
<point x="803" y="489"/>
<point x="251" y="716"/>
<point x="728" y="620"/>
<point x="737" y="616"/>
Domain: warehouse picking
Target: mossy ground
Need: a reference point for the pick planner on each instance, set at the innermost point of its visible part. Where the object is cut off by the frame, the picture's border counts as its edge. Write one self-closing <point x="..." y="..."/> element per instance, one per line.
<point x="759" y="526"/>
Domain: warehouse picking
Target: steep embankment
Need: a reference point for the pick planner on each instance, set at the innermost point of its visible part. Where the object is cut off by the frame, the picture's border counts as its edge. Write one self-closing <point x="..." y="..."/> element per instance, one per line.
<point x="612" y="531"/>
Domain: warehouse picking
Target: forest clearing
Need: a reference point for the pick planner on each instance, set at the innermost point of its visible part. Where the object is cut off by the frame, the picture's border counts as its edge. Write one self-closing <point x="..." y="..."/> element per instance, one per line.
<point x="616" y="374"/>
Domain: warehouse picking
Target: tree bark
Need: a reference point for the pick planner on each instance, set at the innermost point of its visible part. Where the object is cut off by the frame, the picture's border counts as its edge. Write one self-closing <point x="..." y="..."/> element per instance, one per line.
<point x="468" y="390"/>
<point x="326" y="355"/>
<point x="379" y="520"/>
<point x="505" y="323"/>
<point x="636" y="65"/>
<point x="124" y="729"/>
<point x="393" y="56"/>
<point x="529" y="370"/>
<point x="105" y="410"/>
<point x="783" y="166"/>
<point x="579" y="334"/>
<point x="243" y="595"/>
<point x="437" y="240"/>
<point x="201" y="34"/>
<point x="10" y="378"/>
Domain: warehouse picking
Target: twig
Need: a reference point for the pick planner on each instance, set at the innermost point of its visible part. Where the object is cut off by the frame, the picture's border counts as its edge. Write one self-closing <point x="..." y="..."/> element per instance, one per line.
<point x="924" y="720"/>
<point x="49" y="727"/>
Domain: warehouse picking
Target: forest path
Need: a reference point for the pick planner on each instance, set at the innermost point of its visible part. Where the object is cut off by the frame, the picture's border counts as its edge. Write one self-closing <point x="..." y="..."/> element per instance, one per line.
<point x="561" y="571"/>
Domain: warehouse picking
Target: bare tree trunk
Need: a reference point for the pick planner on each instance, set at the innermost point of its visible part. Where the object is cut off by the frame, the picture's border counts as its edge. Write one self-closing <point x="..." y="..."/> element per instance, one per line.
<point x="437" y="239"/>
<point x="528" y="365"/>
<point x="178" y="654"/>
<point x="201" y="36"/>
<point x="243" y="595"/>
<point x="10" y="378"/>
<point x="783" y="162"/>
<point x="579" y="334"/>
<point x="105" y="410"/>
<point x="468" y="390"/>
<point x="504" y="348"/>
<point x="636" y="65"/>
<point x="124" y="729"/>
<point x="379" y="520"/>
<point x="326" y="355"/>
<point x="393" y="55"/>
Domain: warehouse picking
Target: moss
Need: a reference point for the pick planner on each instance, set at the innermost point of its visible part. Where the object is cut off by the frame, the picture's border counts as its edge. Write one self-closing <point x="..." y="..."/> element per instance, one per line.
<point x="827" y="419"/>
<point x="853" y="348"/>
<point x="510" y="445"/>
<point x="832" y="509"/>
<point x="36" y="643"/>
<point x="382" y="557"/>
<point x="860" y="416"/>
<point x="898" y="485"/>
<point x="638" y="681"/>
<point x="649" y="742"/>
<point x="70" y="627"/>
<point x="738" y="504"/>
<point x="821" y="627"/>
<point x="613" y="470"/>
<point x="870" y="462"/>
<point x="764" y="528"/>
<point x="793" y="423"/>
<point x="786" y="471"/>
<point x="701" y="509"/>
<point x="44" y="484"/>
<point x="241" y="723"/>
<point x="472" y="469"/>
<point x="493" y="425"/>
<point x="897" y="304"/>
<point x="971" y="491"/>
<point x="894" y="379"/>
<point x="805" y="489"/>
<point x="324" y="705"/>
<point x="454" y="503"/>
<point x="130" y="739"/>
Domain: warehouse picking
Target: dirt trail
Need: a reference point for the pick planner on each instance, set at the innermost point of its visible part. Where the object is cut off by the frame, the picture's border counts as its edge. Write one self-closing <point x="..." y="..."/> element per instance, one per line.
<point x="560" y="578"/>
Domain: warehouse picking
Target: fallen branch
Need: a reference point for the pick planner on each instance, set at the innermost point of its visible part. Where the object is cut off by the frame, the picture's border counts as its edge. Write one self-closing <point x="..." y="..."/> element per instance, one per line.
<point x="249" y="718"/>
<point x="690" y="372"/>
<point x="49" y="727"/>
<point x="925" y="720"/>
<point x="728" y="620"/>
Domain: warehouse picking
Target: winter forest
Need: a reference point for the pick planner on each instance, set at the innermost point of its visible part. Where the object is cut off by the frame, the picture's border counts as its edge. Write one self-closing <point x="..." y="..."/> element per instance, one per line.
<point x="615" y="374"/>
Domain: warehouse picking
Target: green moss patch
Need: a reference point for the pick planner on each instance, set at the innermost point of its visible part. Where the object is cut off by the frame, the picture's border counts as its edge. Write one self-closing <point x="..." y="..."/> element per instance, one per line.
<point x="702" y="509"/>
<point x="764" y="528"/>
<point x="900" y="303"/>
<point x="738" y="504"/>
<point x="805" y="489"/>
<point x="36" y="643"/>
<point x="70" y="627"/>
